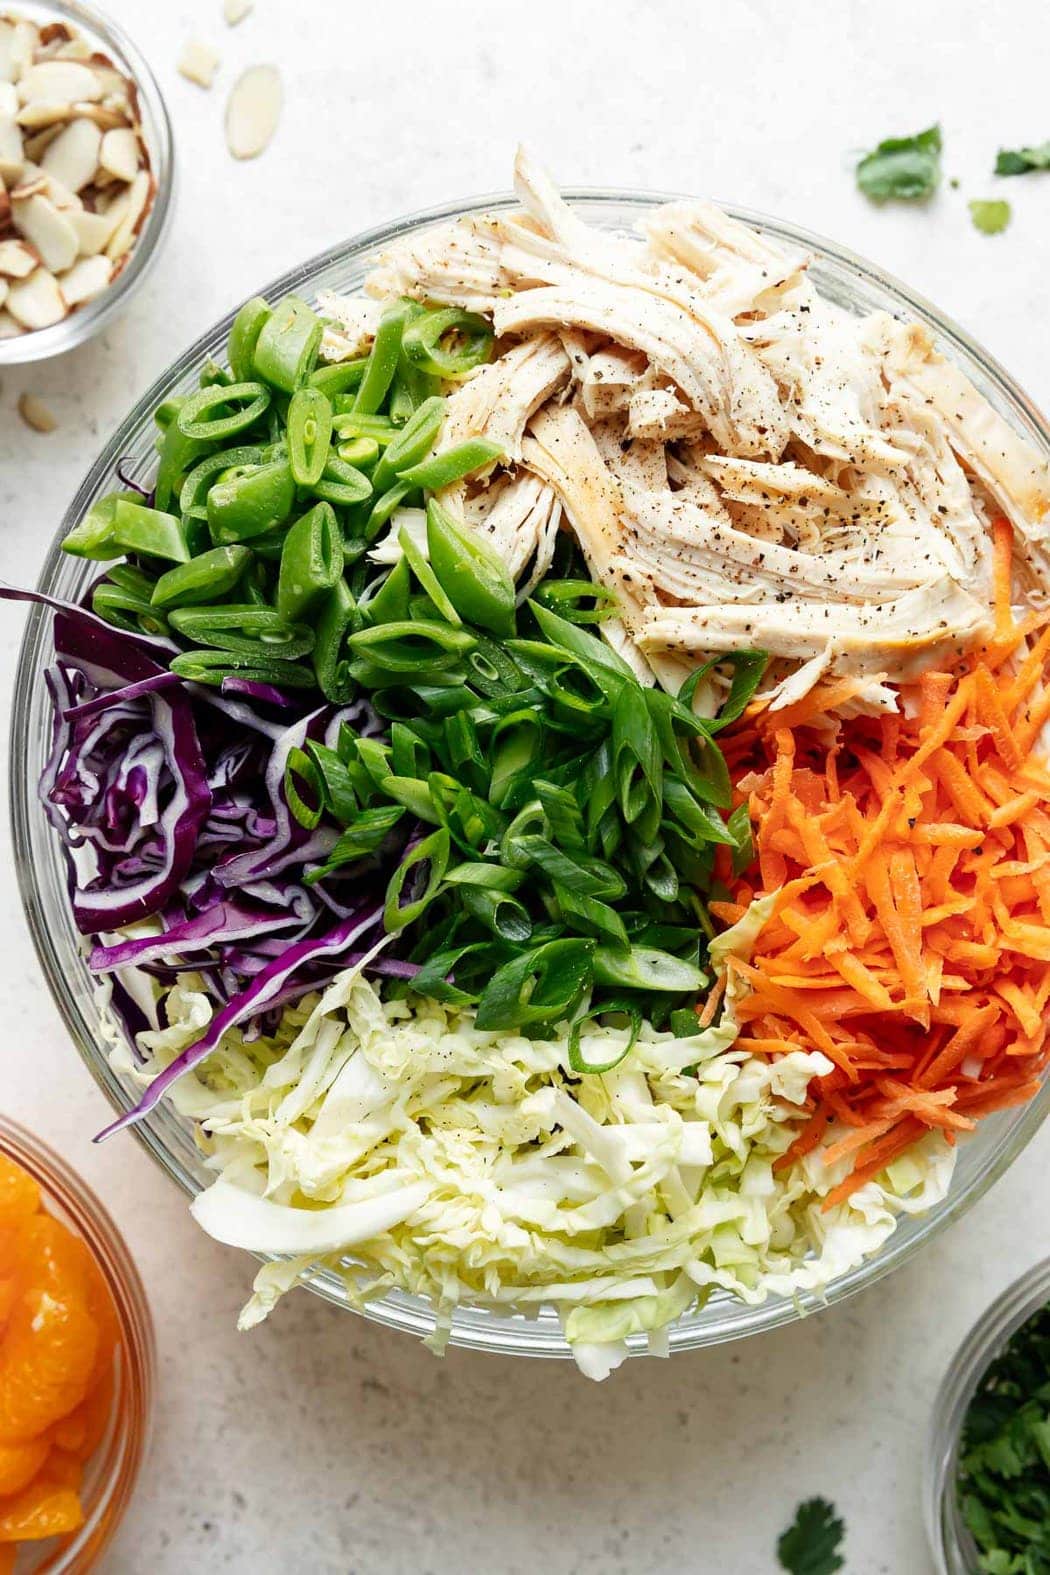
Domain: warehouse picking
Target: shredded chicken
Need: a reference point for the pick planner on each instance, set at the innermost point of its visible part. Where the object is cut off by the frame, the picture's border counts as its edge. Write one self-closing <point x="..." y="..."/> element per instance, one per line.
<point x="741" y="460"/>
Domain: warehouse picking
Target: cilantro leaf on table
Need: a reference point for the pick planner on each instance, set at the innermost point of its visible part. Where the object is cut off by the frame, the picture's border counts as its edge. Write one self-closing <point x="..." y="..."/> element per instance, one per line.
<point x="1019" y="161"/>
<point x="810" y="1544"/>
<point x="990" y="217"/>
<point x="905" y="168"/>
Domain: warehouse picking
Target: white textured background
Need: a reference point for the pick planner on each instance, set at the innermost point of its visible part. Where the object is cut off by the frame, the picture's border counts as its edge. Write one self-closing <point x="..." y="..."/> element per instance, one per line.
<point x="322" y="1443"/>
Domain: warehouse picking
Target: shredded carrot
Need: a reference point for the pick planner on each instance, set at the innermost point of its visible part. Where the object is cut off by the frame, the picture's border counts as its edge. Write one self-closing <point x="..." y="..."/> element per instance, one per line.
<point x="910" y="857"/>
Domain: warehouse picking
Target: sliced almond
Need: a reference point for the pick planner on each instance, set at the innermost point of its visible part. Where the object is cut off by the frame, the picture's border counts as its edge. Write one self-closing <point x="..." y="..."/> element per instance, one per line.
<point x="8" y="96"/>
<point x="104" y="117"/>
<point x="59" y="195"/>
<point x="86" y="279"/>
<point x="36" y="302"/>
<point x="36" y="146"/>
<point x="93" y="230"/>
<point x="253" y="110"/>
<point x="59" y="82"/>
<point x="47" y="231"/>
<point x="44" y="112"/>
<point x="17" y="261"/>
<point x="73" y="157"/>
<point x="33" y="182"/>
<point x="9" y="328"/>
<point x="12" y="159"/>
<point x="5" y="285"/>
<point x="8" y="70"/>
<point x="235" y="10"/>
<point x="131" y="205"/>
<point x="111" y="80"/>
<point x="198" y="62"/>
<point x="119" y="154"/>
<point x="36" y="414"/>
<point x="74" y="49"/>
<point x="23" y="47"/>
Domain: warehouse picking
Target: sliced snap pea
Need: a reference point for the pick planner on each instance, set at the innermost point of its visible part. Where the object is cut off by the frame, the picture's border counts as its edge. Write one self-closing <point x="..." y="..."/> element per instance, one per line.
<point x="127" y="608"/>
<point x="287" y="346"/>
<point x="475" y="579"/>
<point x="211" y="667"/>
<point x="420" y="647"/>
<point x="212" y="375"/>
<point x="441" y="470"/>
<point x="339" y="378"/>
<point x="257" y="632"/>
<point x="250" y="503"/>
<point x="193" y="495"/>
<point x="390" y="602"/>
<point x="412" y="444"/>
<point x="380" y="429"/>
<point x="206" y="578"/>
<point x="137" y="528"/>
<point x="334" y="621"/>
<point x="244" y="336"/>
<point x="177" y="454"/>
<point x="382" y="359"/>
<point x="93" y="537"/>
<point x="340" y="483"/>
<point x="214" y="414"/>
<point x="448" y="344"/>
<point x="359" y="451"/>
<point x="426" y="577"/>
<point x="311" y="562"/>
<point x="309" y="435"/>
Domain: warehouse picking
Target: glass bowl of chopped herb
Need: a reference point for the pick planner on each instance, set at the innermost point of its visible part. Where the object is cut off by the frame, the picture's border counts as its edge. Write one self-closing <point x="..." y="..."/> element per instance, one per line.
<point x="987" y="1490"/>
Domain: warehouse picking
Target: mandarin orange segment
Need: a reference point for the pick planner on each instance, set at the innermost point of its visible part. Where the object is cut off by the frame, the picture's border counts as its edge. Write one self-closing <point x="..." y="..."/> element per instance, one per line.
<point x="99" y="1300"/>
<point x="8" y="1556"/>
<point x="43" y="1509"/>
<point x="19" y="1463"/>
<point x="19" y="1193"/>
<point x="85" y="1427"/>
<point x="48" y="1257"/>
<point x="64" y="1469"/>
<point x="46" y="1362"/>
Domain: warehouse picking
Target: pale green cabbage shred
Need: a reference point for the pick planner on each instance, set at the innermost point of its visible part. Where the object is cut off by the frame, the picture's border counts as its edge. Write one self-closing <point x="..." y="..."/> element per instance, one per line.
<point x="622" y="1199"/>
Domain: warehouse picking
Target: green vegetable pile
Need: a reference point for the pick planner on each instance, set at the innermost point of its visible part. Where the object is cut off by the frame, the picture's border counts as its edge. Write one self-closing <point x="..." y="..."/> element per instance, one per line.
<point x="273" y="479"/>
<point x="1004" y="1460"/>
<point x="575" y="812"/>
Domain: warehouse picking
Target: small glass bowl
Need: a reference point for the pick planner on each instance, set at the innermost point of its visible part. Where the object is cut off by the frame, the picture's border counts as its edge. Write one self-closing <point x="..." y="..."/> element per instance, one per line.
<point x="42" y="343"/>
<point x="111" y="1472"/>
<point x="953" y="1549"/>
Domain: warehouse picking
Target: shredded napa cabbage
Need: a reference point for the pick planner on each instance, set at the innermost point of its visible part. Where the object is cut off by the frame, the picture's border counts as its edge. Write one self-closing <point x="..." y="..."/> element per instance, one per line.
<point x="397" y="1145"/>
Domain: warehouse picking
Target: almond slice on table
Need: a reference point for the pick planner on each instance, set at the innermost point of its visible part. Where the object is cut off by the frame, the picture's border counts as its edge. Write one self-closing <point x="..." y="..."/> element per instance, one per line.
<point x="119" y="154"/>
<point x="93" y="230"/>
<point x="36" y="302"/>
<point x="36" y="414"/>
<point x="253" y="110"/>
<point x="132" y="204"/>
<point x="59" y="82"/>
<point x="235" y="11"/>
<point x="86" y="279"/>
<point x="198" y="62"/>
<point x="47" y="230"/>
<point x="73" y="157"/>
<point x="16" y="259"/>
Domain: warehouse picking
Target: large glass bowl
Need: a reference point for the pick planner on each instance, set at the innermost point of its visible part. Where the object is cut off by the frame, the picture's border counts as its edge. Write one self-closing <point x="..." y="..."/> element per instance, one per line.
<point x="856" y="285"/>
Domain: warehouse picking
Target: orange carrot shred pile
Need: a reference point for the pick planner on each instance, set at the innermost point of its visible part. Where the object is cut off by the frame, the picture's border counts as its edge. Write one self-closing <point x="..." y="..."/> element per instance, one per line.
<point x="911" y="938"/>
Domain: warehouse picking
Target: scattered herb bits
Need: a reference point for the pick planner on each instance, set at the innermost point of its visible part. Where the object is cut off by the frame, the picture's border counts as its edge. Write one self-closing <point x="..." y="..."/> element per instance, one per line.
<point x="810" y="1545"/>
<point x="990" y="217"/>
<point x="903" y="168"/>
<point x="1003" y="1481"/>
<point x="1020" y="161"/>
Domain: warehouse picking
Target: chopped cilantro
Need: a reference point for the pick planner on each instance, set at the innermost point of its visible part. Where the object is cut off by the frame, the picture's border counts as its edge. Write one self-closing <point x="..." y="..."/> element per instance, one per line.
<point x="1004" y="1456"/>
<point x="1018" y="161"/>
<point x="810" y="1544"/>
<point x="991" y="218"/>
<point x="902" y="167"/>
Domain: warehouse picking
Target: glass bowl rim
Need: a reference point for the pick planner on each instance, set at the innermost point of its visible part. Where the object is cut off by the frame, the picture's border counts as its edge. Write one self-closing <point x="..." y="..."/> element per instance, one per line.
<point x="63" y="1186"/>
<point x="41" y="344"/>
<point x="394" y="1310"/>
